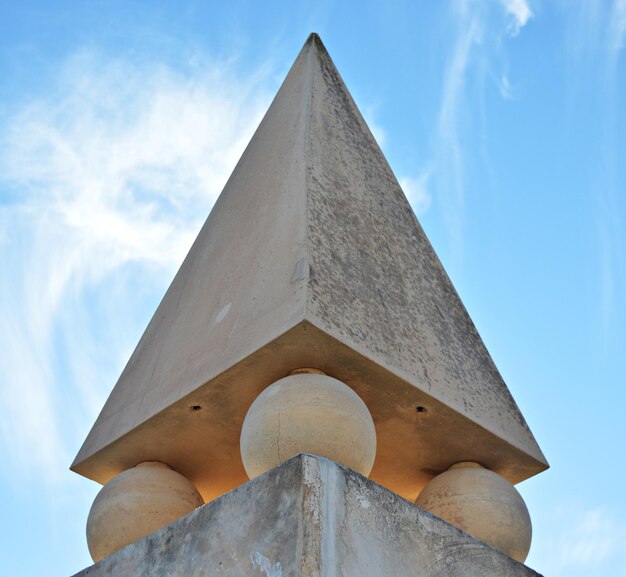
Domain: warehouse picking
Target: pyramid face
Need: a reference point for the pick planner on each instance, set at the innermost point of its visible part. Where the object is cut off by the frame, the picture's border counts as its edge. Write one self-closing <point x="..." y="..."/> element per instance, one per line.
<point x="311" y="257"/>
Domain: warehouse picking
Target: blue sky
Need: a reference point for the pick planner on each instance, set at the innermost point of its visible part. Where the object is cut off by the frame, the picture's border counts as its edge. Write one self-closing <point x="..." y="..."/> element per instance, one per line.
<point x="121" y="121"/>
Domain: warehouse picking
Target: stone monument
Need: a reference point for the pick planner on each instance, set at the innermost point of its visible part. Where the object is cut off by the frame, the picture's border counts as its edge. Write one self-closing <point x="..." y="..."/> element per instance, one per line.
<point x="311" y="338"/>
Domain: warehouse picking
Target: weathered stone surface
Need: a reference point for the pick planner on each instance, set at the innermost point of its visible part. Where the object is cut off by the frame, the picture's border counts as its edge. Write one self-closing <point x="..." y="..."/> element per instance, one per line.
<point x="311" y="257"/>
<point x="309" y="518"/>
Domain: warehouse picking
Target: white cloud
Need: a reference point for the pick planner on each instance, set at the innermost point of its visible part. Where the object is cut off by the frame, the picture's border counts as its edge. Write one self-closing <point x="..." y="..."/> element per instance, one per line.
<point x="506" y="90"/>
<point x="576" y="539"/>
<point x="519" y="12"/>
<point x="108" y="178"/>
<point x="592" y="539"/>
<point x="477" y="59"/>
<point x="449" y="155"/>
<point x="470" y="29"/>
<point x="378" y="132"/>
<point x="416" y="190"/>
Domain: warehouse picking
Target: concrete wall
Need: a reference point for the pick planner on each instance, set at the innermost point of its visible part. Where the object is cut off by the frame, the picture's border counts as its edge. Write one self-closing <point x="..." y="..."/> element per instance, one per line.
<point x="309" y="517"/>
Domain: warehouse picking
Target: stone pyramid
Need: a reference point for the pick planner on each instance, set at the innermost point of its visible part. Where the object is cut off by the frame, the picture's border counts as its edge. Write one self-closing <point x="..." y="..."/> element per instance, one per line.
<point x="311" y="256"/>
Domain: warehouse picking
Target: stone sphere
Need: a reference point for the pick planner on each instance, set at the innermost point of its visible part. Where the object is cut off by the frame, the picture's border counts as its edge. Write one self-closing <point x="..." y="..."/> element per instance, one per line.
<point x="135" y="503"/>
<point x="308" y="413"/>
<point x="483" y="504"/>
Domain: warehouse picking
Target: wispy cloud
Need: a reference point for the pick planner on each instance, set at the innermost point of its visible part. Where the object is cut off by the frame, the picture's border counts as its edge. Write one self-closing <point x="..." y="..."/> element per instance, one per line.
<point x="592" y="28"/>
<point x="593" y="538"/>
<point x="417" y="191"/>
<point x="617" y="24"/>
<point x="378" y="132"/>
<point x="519" y="12"/>
<point x="506" y="90"/>
<point x="476" y="63"/>
<point x="594" y="43"/>
<point x="589" y="540"/>
<point x="449" y="164"/>
<point x="103" y="184"/>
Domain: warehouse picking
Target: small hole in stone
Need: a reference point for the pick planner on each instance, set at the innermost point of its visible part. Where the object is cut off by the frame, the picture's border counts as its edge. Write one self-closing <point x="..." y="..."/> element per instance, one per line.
<point x="420" y="409"/>
<point x="196" y="408"/>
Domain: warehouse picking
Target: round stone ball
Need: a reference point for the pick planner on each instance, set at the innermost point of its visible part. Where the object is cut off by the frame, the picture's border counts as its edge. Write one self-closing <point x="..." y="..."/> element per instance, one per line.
<point x="483" y="504"/>
<point x="135" y="503"/>
<point x="308" y="413"/>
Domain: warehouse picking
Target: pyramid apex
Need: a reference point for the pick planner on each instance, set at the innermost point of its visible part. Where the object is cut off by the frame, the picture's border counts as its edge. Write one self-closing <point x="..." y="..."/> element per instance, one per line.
<point x="314" y="37"/>
<point x="315" y="43"/>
